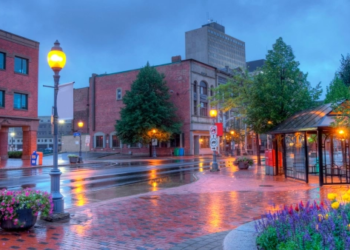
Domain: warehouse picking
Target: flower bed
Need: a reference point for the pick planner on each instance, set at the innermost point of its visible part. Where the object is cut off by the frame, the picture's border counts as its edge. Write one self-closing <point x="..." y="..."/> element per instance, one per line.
<point x="12" y="203"/>
<point x="311" y="226"/>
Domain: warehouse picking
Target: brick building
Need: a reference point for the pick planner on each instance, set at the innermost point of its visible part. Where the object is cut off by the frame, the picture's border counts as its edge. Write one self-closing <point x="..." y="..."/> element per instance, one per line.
<point x="189" y="83"/>
<point x="18" y="90"/>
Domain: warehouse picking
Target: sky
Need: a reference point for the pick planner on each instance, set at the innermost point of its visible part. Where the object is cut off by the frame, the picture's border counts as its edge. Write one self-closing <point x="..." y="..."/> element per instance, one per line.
<point x="107" y="36"/>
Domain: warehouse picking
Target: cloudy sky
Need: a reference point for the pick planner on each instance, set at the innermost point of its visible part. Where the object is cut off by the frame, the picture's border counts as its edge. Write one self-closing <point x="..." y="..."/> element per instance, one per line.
<point x="100" y="36"/>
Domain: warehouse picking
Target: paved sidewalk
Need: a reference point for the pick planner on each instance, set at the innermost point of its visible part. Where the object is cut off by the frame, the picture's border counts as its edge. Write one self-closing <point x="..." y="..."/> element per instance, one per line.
<point x="165" y="219"/>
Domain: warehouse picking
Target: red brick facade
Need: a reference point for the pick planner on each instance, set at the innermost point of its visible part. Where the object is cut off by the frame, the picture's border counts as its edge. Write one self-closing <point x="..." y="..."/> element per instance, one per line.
<point x="26" y="84"/>
<point x="104" y="105"/>
<point x="81" y="109"/>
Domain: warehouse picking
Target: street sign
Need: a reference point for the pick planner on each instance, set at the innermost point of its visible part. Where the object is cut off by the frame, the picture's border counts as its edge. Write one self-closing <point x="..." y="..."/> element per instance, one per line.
<point x="213" y="130"/>
<point x="212" y="136"/>
<point x="76" y="134"/>
<point x="213" y="143"/>
<point x="154" y="142"/>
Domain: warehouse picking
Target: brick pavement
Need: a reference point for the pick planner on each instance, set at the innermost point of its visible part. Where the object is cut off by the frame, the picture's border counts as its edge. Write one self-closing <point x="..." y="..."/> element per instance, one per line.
<point x="167" y="218"/>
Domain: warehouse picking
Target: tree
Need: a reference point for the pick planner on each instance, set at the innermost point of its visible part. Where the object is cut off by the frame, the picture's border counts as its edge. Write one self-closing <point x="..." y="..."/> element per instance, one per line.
<point x="147" y="107"/>
<point x="280" y="90"/>
<point x="337" y="91"/>
<point x="344" y="71"/>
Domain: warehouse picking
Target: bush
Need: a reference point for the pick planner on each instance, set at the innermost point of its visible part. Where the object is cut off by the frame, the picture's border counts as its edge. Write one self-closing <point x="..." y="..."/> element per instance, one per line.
<point x="312" y="226"/>
<point x="15" y="154"/>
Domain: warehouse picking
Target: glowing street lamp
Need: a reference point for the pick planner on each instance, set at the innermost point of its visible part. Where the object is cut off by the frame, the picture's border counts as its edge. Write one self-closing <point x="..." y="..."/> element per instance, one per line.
<point x="232" y="132"/>
<point x="214" y="166"/>
<point x="80" y="125"/>
<point x="12" y="134"/>
<point x="56" y="60"/>
<point x="154" y="131"/>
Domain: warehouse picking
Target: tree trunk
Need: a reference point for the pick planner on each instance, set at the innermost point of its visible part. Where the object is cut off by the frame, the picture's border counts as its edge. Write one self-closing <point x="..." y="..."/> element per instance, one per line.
<point x="257" y="148"/>
<point x="150" y="149"/>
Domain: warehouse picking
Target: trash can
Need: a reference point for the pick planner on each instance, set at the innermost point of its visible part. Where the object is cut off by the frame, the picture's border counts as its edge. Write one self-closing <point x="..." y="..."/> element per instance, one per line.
<point x="176" y="151"/>
<point x="181" y="151"/>
<point x="40" y="155"/>
<point x="33" y="158"/>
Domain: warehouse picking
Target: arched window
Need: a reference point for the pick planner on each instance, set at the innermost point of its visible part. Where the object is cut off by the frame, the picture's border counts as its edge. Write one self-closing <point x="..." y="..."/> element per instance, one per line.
<point x="203" y="99"/>
<point x="195" y="103"/>
<point x="99" y="140"/>
<point x="114" y="140"/>
<point x="204" y="88"/>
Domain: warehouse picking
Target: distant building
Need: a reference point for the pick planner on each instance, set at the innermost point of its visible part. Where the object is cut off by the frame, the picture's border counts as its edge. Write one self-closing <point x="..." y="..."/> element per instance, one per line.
<point x="44" y="134"/>
<point x="212" y="46"/>
<point x="253" y="66"/>
<point x="18" y="91"/>
<point x="190" y="83"/>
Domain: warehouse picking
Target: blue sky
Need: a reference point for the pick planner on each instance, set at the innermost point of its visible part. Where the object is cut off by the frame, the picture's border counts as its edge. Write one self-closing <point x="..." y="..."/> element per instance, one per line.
<point x="100" y="36"/>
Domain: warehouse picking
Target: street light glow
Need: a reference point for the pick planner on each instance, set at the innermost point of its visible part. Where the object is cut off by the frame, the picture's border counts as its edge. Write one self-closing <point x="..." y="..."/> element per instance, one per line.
<point x="213" y="113"/>
<point x="12" y="134"/>
<point x="154" y="131"/>
<point x="61" y="121"/>
<point x="56" y="57"/>
<point x="341" y="131"/>
<point x="232" y="132"/>
<point x="80" y="124"/>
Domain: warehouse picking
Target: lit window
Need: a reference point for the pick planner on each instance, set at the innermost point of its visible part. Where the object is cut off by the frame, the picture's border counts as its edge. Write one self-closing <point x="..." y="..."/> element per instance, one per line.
<point x="21" y="65"/>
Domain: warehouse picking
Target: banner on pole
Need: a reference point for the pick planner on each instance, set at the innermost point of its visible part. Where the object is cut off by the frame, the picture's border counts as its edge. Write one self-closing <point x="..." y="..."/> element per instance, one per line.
<point x="65" y="101"/>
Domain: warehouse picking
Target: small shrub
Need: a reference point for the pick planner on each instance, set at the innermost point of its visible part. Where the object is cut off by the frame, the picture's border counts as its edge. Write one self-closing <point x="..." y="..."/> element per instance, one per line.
<point x="73" y="156"/>
<point x="15" y="154"/>
<point x="244" y="159"/>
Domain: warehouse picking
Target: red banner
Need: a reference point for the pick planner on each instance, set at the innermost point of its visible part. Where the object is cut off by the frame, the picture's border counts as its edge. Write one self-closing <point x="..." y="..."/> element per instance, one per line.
<point x="220" y="129"/>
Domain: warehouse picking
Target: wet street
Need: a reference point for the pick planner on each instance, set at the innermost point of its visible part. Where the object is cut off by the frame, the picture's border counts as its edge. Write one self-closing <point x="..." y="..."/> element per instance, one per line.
<point x="82" y="184"/>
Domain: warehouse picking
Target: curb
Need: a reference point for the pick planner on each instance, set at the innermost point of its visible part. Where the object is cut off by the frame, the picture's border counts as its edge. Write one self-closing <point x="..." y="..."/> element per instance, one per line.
<point x="241" y="238"/>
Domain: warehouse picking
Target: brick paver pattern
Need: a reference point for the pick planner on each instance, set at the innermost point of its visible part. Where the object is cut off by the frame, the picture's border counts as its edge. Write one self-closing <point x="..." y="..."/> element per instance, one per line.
<point x="164" y="219"/>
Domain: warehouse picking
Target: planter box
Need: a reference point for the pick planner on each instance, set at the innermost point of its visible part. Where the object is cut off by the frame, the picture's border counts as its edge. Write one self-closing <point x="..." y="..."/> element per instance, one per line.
<point x="24" y="215"/>
<point x="242" y="165"/>
<point x="73" y="159"/>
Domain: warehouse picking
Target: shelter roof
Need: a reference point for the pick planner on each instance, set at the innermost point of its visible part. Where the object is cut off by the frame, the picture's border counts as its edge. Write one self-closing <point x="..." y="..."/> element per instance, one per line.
<point x="306" y="120"/>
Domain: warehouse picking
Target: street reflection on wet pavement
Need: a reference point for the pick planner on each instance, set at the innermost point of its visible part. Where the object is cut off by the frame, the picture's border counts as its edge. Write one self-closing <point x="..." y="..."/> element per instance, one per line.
<point x="165" y="217"/>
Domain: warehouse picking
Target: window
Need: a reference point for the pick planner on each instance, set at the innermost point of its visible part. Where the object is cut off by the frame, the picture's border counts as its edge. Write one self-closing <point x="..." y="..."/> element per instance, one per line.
<point x="119" y="94"/>
<point x="115" y="141"/>
<point x="20" y="101"/>
<point x="204" y="142"/>
<point x="2" y="99"/>
<point x="99" y="141"/>
<point x="203" y="88"/>
<point x="195" y="108"/>
<point x="21" y="65"/>
<point x="2" y="60"/>
<point x="195" y="87"/>
<point x="204" y="109"/>
<point x="211" y="90"/>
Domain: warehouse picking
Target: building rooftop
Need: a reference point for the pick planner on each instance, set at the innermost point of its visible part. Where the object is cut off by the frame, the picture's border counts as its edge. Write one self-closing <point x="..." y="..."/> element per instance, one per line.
<point x="254" y="65"/>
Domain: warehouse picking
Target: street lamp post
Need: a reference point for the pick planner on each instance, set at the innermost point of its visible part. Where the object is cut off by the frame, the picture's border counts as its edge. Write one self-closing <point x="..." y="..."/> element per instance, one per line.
<point x="214" y="165"/>
<point x="80" y="125"/>
<point x="56" y="60"/>
<point x="12" y="135"/>
<point x="154" y="154"/>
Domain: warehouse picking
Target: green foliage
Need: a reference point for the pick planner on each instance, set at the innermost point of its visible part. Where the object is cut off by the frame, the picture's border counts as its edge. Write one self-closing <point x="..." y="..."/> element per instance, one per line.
<point x="15" y="154"/>
<point x="280" y="90"/>
<point x="268" y="239"/>
<point x="147" y="107"/>
<point x="344" y="71"/>
<point x="337" y="91"/>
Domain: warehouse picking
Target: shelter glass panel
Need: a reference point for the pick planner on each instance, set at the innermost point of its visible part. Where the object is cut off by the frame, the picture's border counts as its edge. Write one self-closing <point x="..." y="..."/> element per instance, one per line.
<point x="295" y="156"/>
